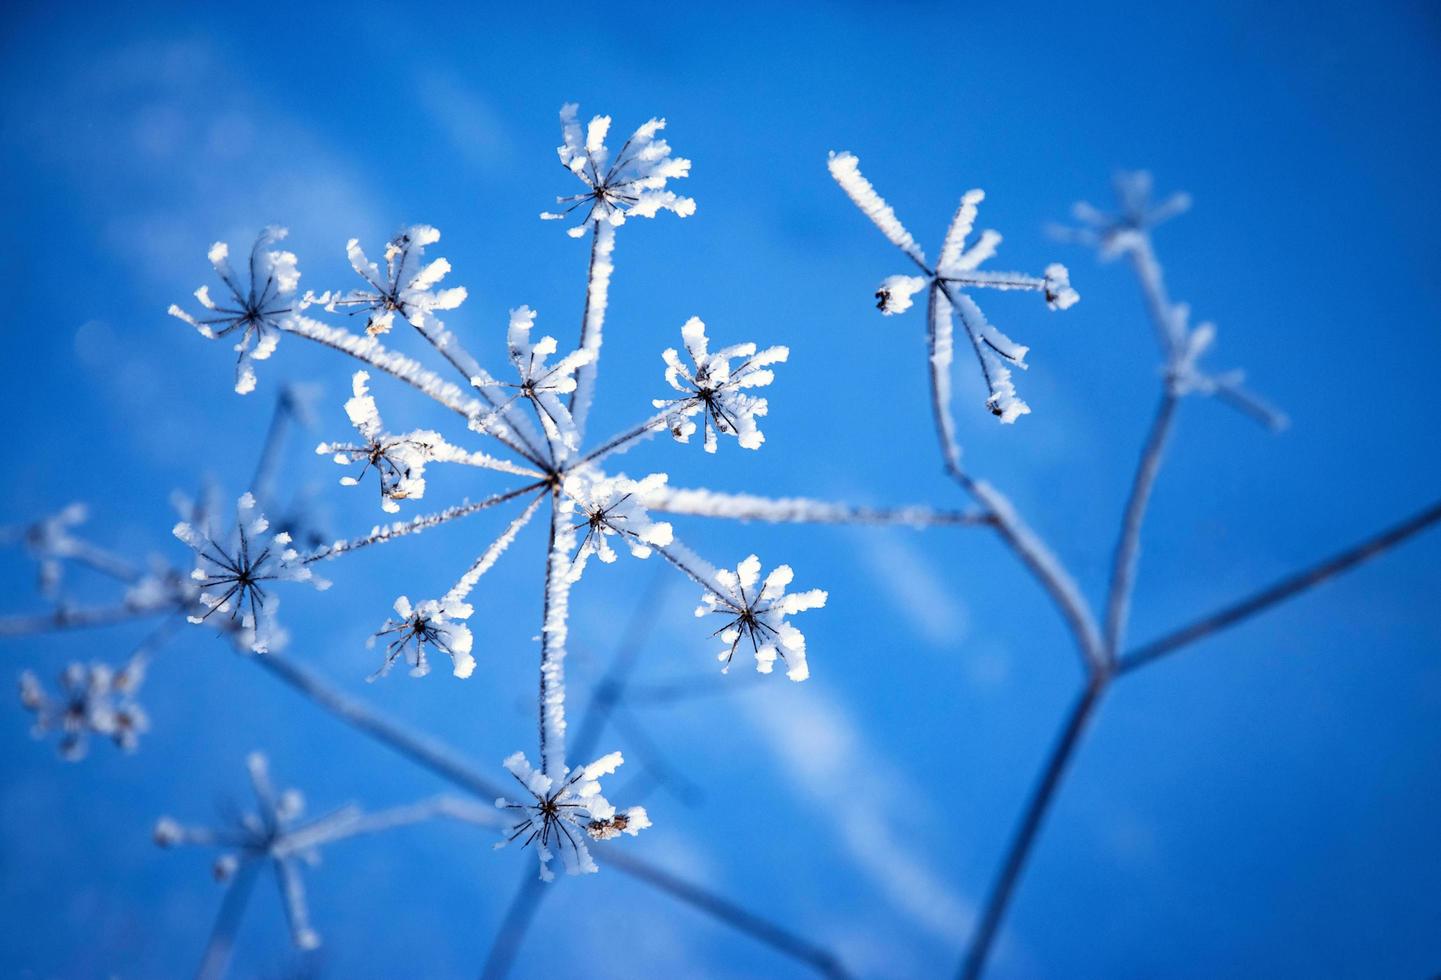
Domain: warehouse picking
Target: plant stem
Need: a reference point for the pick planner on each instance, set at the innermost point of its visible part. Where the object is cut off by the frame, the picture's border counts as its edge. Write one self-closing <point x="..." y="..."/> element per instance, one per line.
<point x="216" y="959"/>
<point x="1123" y="568"/>
<point x="1025" y="836"/>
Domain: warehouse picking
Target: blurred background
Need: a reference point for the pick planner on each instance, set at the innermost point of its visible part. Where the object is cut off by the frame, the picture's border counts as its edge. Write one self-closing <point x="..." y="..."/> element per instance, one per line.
<point x="1265" y="804"/>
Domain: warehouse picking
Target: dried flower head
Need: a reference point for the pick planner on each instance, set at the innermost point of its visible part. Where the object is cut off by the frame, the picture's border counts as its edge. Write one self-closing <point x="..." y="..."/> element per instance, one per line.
<point x="274" y="831"/>
<point x="611" y="507"/>
<point x="94" y="699"/>
<point x="406" y="285"/>
<point x="399" y="461"/>
<point x="257" y="312"/>
<point x="436" y="624"/>
<point x="758" y="616"/>
<point x="631" y="185"/>
<point x="234" y="576"/>
<point x="716" y="391"/>
<point x="561" y="812"/>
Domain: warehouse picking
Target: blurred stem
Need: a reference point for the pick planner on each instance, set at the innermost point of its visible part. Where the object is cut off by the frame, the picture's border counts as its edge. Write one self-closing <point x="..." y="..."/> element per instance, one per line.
<point x="445" y="763"/>
<point x="1123" y="570"/>
<point x="216" y="961"/>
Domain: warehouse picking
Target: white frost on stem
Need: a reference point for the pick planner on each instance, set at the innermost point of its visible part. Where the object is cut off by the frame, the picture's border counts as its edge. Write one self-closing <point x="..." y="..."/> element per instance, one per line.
<point x="846" y="169"/>
<point x="797" y="510"/>
<point x="553" y="633"/>
<point x="597" y="292"/>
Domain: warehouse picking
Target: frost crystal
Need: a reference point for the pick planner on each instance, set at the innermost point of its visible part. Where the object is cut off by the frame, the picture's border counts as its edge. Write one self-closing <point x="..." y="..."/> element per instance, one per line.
<point x="611" y="507"/>
<point x="632" y="185"/>
<point x="715" y="391"/>
<point x="232" y="576"/>
<point x="258" y="312"/>
<point x="432" y="623"/>
<point x="94" y="699"/>
<point x="406" y="286"/>
<point x="759" y="617"/>
<point x="561" y="812"/>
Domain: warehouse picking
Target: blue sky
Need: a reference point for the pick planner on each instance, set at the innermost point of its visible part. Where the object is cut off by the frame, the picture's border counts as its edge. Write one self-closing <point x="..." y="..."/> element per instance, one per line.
<point x="1265" y="804"/>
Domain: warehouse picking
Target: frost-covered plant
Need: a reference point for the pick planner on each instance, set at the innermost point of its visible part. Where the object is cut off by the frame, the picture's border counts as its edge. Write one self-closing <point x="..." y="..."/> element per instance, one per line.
<point x="277" y="832"/>
<point x="407" y="286"/>
<point x="538" y="423"/>
<point x="631" y="185"/>
<point x="94" y="699"/>
<point x="535" y="429"/>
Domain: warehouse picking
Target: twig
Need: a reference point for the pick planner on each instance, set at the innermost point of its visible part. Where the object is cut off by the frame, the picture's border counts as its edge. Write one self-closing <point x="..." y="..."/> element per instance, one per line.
<point x="1281" y="591"/>
<point x="738" y="918"/>
<point x="1123" y="568"/>
<point x="1020" y="847"/>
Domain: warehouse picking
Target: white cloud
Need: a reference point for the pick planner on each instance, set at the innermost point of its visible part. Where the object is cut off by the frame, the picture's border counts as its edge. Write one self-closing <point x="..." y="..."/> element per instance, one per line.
<point x="914" y="586"/>
<point x="826" y="757"/>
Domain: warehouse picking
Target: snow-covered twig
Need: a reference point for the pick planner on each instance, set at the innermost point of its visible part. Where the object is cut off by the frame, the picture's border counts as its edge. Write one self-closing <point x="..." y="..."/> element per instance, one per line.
<point x="802" y="510"/>
<point x="400" y="529"/>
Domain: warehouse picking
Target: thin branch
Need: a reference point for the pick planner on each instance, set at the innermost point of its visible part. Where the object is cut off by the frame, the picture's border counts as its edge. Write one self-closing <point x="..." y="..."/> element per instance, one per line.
<point x="622" y="441"/>
<point x="422" y="751"/>
<point x="406" y="369"/>
<point x="445" y="343"/>
<point x="554" y="629"/>
<point x="84" y="617"/>
<point x="802" y="510"/>
<point x="400" y="529"/>
<point x="1044" y="565"/>
<point x="1025" y="837"/>
<point x="513" y="927"/>
<point x="260" y="483"/>
<point x="1282" y="590"/>
<point x="762" y="930"/>
<point x="1123" y="567"/>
